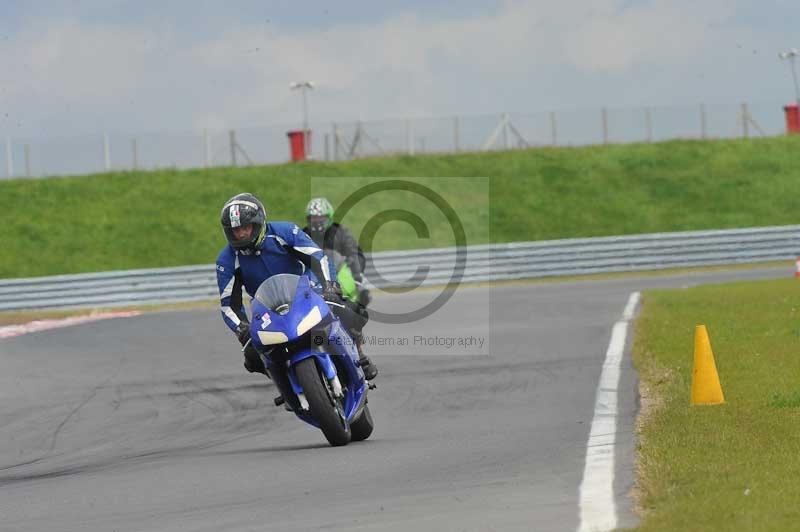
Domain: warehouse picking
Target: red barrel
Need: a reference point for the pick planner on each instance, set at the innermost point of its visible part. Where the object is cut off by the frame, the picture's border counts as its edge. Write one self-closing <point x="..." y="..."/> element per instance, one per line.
<point x="792" y="118"/>
<point x="297" y="144"/>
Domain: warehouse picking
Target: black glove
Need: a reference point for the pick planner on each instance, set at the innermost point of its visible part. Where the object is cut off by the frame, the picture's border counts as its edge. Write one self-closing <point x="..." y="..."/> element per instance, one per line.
<point x="332" y="292"/>
<point x="243" y="332"/>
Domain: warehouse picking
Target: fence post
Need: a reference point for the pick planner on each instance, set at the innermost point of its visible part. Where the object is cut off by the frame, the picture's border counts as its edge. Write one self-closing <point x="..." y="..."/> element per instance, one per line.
<point x="335" y="142"/>
<point x="506" y="140"/>
<point x="553" y="128"/>
<point x="135" y="154"/>
<point x="648" y="119"/>
<point x="232" y="139"/>
<point x="9" y="158"/>
<point x="327" y="146"/>
<point x="206" y="149"/>
<point x="703" y="122"/>
<point x="410" y="136"/>
<point x="745" y="121"/>
<point x="106" y="152"/>
<point x="27" y="160"/>
<point x="605" y="125"/>
<point x="456" y="140"/>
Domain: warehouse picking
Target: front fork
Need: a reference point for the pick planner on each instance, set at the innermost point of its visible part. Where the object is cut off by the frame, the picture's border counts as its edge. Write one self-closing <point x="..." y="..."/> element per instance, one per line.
<point x="328" y="369"/>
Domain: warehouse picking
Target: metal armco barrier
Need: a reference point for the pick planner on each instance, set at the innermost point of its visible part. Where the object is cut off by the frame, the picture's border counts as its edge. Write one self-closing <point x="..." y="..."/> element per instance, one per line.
<point x="488" y="262"/>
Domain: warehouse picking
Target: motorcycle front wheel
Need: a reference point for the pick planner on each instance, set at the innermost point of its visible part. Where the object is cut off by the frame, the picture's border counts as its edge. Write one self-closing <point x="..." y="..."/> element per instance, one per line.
<point x="325" y="408"/>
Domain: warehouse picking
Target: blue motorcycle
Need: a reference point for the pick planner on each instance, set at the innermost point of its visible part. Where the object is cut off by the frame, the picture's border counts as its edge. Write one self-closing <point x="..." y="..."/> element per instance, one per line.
<point x="311" y="358"/>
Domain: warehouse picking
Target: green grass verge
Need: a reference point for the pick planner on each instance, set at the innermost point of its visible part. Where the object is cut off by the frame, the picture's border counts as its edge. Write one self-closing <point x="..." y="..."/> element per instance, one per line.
<point x="169" y="218"/>
<point x="734" y="466"/>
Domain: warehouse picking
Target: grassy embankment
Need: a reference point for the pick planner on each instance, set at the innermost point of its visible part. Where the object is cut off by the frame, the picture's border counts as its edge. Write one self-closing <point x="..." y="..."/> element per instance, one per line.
<point x="168" y="218"/>
<point x="733" y="466"/>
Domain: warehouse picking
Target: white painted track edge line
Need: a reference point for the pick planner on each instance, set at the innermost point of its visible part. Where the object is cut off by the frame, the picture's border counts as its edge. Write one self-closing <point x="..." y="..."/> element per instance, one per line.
<point x="598" y="510"/>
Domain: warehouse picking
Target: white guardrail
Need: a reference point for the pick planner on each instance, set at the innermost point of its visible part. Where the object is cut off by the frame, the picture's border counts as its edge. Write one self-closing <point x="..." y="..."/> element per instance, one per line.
<point x="489" y="262"/>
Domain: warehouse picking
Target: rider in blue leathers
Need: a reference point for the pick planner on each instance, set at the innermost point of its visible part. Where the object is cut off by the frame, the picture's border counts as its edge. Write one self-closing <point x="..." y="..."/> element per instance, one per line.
<point x="257" y="250"/>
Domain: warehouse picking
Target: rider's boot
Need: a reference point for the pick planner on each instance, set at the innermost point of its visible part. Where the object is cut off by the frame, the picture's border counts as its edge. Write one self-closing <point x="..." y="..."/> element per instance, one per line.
<point x="370" y="371"/>
<point x="281" y="381"/>
<point x="254" y="364"/>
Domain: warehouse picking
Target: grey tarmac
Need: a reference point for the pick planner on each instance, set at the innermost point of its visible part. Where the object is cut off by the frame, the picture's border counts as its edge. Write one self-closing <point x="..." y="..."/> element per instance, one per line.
<point x="151" y="423"/>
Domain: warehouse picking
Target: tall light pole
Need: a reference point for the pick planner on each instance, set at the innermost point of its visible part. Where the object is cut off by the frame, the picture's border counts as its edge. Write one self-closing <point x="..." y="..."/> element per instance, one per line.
<point x="303" y="87"/>
<point x="791" y="55"/>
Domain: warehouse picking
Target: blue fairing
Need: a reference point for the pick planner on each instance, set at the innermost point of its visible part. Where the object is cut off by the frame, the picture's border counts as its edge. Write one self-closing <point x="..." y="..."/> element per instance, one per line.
<point x="336" y="357"/>
<point x="323" y="361"/>
<point x="343" y="347"/>
<point x="304" y="301"/>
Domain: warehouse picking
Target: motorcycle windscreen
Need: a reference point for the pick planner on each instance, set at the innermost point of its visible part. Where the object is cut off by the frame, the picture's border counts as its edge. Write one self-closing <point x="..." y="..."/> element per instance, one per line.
<point x="278" y="291"/>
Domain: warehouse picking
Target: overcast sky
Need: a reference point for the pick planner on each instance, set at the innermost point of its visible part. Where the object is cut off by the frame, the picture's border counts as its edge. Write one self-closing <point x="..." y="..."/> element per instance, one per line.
<point x="78" y="67"/>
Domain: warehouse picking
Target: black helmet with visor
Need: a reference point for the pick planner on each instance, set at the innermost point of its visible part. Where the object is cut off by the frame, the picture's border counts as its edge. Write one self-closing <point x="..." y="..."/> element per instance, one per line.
<point x="239" y="212"/>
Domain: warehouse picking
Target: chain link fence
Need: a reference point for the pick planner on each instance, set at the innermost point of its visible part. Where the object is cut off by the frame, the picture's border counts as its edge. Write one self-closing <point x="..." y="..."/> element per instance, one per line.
<point x="345" y="141"/>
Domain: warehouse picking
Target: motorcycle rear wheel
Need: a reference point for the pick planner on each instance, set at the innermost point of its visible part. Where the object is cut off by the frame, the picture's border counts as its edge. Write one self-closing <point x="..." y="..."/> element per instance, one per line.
<point x="361" y="428"/>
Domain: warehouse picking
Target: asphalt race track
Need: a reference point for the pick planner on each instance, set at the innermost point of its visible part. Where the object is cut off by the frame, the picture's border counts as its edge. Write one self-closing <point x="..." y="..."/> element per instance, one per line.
<point x="151" y="423"/>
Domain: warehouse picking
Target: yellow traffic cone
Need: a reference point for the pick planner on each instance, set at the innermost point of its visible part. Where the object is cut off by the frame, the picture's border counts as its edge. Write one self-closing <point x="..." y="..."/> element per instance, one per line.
<point x="706" y="389"/>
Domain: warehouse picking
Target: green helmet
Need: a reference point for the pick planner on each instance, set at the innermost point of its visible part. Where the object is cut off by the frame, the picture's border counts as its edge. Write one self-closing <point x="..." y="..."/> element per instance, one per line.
<point x="319" y="215"/>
